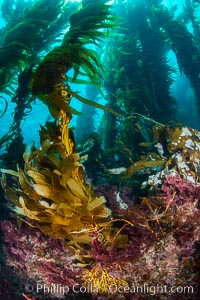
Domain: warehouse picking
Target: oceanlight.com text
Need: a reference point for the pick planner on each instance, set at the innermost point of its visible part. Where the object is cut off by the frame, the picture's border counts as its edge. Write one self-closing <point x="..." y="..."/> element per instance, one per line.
<point x="61" y="290"/>
<point x="150" y="289"/>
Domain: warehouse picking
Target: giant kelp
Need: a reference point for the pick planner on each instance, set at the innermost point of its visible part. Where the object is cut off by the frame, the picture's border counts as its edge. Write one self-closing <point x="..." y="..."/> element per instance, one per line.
<point x="28" y="31"/>
<point x="174" y="150"/>
<point x="30" y="28"/>
<point x="50" y="82"/>
<point x="191" y="15"/>
<point x="50" y="193"/>
<point x="53" y="193"/>
<point x="52" y="190"/>
<point x="138" y="75"/>
<point x="184" y="45"/>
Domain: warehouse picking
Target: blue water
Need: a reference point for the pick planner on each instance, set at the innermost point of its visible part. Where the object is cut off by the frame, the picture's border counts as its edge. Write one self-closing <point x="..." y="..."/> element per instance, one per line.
<point x="39" y="114"/>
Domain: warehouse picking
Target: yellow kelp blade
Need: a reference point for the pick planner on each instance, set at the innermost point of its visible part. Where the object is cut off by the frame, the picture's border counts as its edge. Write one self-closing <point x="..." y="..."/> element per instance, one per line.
<point x="142" y="165"/>
<point x="97" y="105"/>
<point x="10" y="172"/>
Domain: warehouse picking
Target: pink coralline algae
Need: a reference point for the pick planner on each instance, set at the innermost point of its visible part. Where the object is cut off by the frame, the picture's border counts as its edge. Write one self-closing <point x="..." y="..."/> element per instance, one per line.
<point x="183" y="190"/>
<point x="36" y="257"/>
<point x="158" y="248"/>
<point x="164" y="241"/>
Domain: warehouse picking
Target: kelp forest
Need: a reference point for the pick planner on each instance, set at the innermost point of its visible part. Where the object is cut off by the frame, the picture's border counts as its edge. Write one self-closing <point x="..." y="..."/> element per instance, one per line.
<point x="102" y="200"/>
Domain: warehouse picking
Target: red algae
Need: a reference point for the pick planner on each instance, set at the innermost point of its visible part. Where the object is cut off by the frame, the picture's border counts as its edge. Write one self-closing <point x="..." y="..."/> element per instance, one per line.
<point x="161" y="249"/>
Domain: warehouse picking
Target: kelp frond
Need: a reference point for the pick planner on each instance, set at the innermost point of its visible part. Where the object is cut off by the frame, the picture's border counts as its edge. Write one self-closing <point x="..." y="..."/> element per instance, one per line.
<point x="52" y="191"/>
<point x="87" y="24"/>
<point x="5" y="107"/>
<point x="86" y="29"/>
<point x="97" y="105"/>
<point x="31" y="29"/>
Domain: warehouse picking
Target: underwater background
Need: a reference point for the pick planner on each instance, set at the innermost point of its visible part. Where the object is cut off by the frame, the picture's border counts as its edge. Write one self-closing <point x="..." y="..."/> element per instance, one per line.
<point x="99" y="149"/>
